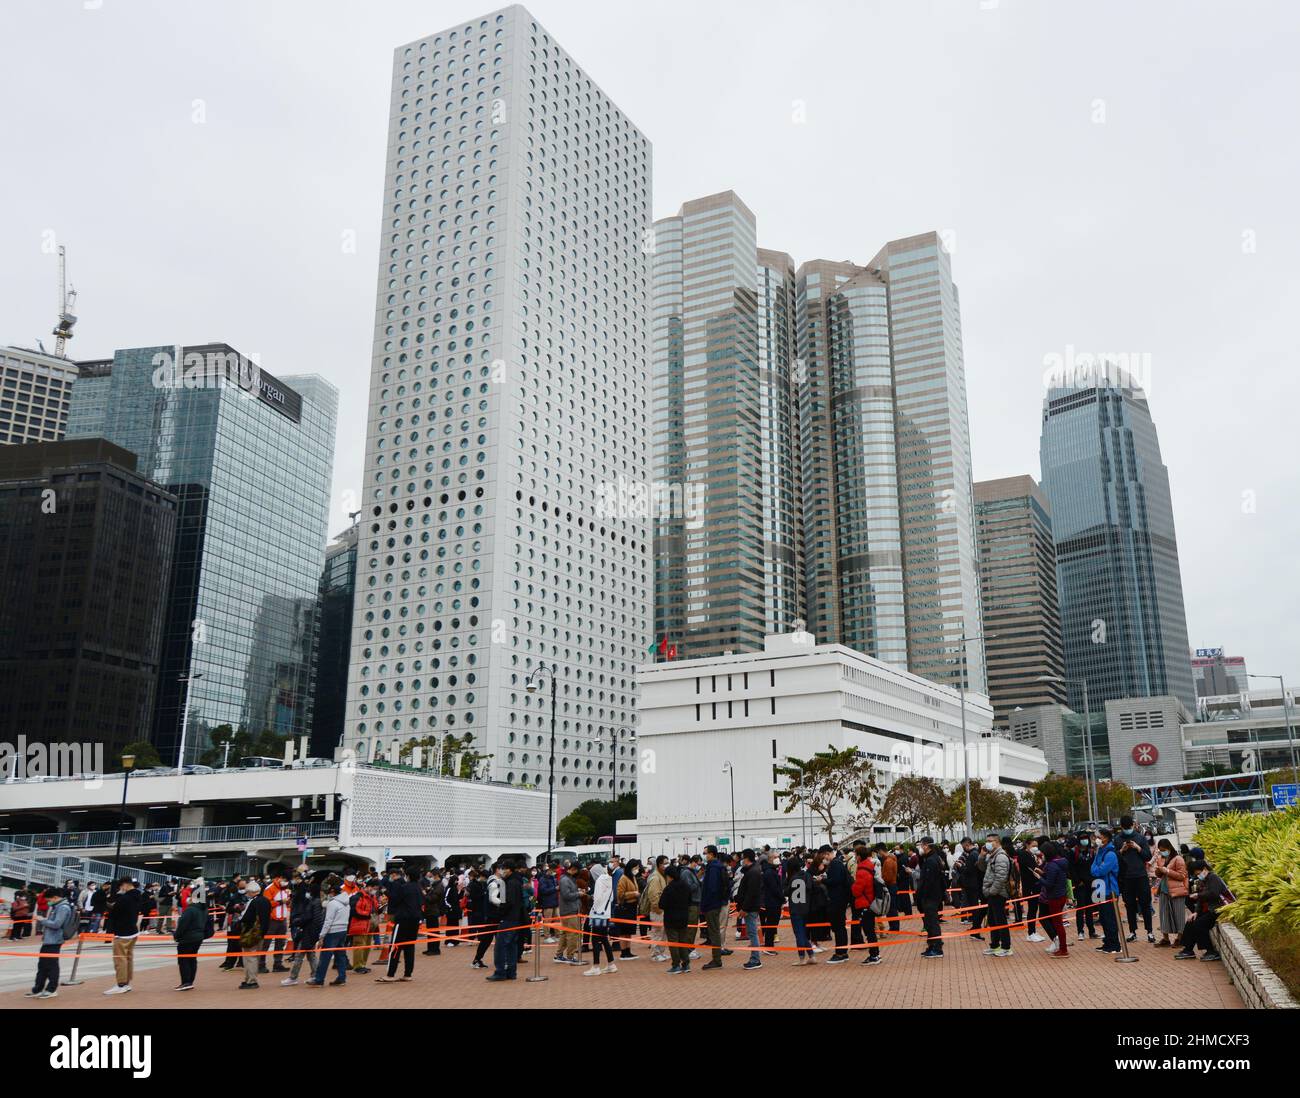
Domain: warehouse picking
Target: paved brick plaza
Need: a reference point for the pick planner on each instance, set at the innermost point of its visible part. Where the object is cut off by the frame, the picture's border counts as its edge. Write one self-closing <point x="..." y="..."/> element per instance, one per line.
<point x="965" y="978"/>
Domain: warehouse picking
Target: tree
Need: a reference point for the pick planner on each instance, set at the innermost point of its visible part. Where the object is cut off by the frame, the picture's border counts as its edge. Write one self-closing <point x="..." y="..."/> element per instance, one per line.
<point x="576" y="828"/>
<point x="459" y="758"/>
<point x="991" y="809"/>
<point x="827" y="780"/>
<point x="242" y="744"/>
<point x="1057" y="796"/>
<point x="913" y="800"/>
<point x="1114" y="799"/>
<point x="146" y="756"/>
<point x="604" y="815"/>
<point x="1212" y="770"/>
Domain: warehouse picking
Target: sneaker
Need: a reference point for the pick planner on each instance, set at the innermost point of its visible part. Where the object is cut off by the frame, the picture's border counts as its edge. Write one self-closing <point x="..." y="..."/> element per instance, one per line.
<point x="751" y="965"/>
<point x="818" y="949"/>
<point x="55" y="994"/>
<point x="246" y="986"/>
<point x="999" y="953"/>
<point x="1184" y="955"/>
<point x="361" y="971"/>
<point x="656" y="957"/>
<point x="629" y="956"/>
<point x="1211" y="956"/>
<point x="611" y="967"/>
<point x="1079" y="938"/>
<point x="288" y="981"/>
<point x="713" y="964"/>
<point x="338" y="981"/>
<point x="1007" y="953"/>
<point x="872" y="961"/>
<point x="557" y="959"/>
<point x="928" y="956"/>
<point x="1103" y="949"/>
<point x="1151" y="938"/>
<point x="118" y="989"/>
<point x="1052" y="948"/>
<point x="577" y="961"/>
<point x="728" y="952"/>
<point x="1035" y="937"/>
<point x="1164" y="943"/>
<point x="695" y="954"/>
<point x="550" y="941"/>
<point x="1133" y="937"/>
<point x="978" y="937"/>
<point x="312" y="983"/>
<point x="991" y="952"/>
<point x="769" y="952"/>
<point x="35" y="994"/>
<point x="836" y="960"/>
<point x="497" y="978"/>
<point x="675" y="970"/>
<point x="594" y="970"/>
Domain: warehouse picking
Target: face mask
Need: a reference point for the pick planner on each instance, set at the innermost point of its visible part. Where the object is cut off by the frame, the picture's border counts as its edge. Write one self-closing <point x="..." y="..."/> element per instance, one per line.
<point x="1085" y="842"/>
<point x="1203" y="874"/>
<point x="1033" y="850"/>
<point x="988" y="846"/>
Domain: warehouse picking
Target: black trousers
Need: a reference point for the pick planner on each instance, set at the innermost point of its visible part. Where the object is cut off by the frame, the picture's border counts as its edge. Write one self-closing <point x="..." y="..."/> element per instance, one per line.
<point x="843" y="935"/>
<point x="484" y="943"/>
<point x="930" y="910"/>
<point x="1034" y="906"/>
<point x="1197" y="931"/>
<point x="867" y="929"/>
<point x="769" y="919"/>
<point x="970" y="897"/>
<point x="435" y="943"/>
<point x="402" y="944"/>
<point x="999" y="938"/>
<point x="189" y="966"/>
<point x="1136" y="892"/>
<point x="893" y="905"/>
<point x="47" y="969"/>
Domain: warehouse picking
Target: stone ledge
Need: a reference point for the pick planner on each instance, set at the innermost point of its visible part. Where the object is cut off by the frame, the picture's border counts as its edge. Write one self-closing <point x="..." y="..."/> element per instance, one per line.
<point x="1259" y="985"/>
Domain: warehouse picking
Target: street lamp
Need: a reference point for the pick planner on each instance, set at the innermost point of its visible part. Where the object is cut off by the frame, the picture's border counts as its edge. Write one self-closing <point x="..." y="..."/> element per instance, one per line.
<point x="185" y="717"/>
<point x="1089" y="770"/>
<point x="128" y="762"/>
<point x="965" y="757"/>
<point x="730" y="770"/>
<point x="532" y="684"/>
<point x="1286" y="714"/>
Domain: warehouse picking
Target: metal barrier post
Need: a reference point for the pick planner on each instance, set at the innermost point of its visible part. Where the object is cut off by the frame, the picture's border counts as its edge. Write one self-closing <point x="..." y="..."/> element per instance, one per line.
<point x="1123" y="940"/>
<point x="537" y="977"/>
<point x="72" y="980"/>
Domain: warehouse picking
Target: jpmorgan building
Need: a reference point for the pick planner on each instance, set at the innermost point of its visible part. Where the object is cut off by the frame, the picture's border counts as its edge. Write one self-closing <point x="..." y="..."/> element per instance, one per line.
<point x="249" y="456"/>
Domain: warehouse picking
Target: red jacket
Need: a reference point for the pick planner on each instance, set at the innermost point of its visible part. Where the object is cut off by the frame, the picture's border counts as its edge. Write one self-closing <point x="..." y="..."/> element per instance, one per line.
<point x="864" y="885"/>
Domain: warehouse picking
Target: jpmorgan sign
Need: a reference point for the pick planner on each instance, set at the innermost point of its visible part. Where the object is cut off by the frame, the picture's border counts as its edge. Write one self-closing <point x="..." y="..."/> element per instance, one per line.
<point x="217" y="366"/>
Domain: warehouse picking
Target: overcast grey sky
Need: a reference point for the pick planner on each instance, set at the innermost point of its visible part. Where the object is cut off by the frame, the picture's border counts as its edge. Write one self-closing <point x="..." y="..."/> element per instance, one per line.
<point x="1113" y="177"/>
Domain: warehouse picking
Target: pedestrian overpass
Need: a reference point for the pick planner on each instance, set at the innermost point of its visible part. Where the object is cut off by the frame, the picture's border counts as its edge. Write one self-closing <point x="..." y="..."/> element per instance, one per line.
<point x="1245" y="791"/>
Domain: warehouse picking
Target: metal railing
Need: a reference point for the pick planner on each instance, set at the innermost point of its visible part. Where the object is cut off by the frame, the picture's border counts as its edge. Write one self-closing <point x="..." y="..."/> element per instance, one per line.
<point x="174" y="836"/>
<point x="21" y="864"/>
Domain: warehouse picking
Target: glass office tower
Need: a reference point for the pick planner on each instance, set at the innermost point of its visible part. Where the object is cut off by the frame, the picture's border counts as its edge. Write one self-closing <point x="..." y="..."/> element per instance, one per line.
<point x="504" y="526"/>
<point x="249" y="457"/>
<point x="1118" y="580"/>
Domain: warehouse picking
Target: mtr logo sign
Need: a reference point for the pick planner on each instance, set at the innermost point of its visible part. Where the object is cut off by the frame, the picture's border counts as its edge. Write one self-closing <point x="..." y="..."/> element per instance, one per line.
<point x="1145" y="754"/>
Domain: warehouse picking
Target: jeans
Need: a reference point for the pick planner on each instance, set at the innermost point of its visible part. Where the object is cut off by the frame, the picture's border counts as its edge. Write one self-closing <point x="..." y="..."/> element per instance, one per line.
<point x="189" y="966"/>
<point x="751" y="927"/>
<point x="1137" y="899"/>
<point x="999" y="932"/>
<point x="333" y="948"/>
<point x="302" y="955"/>
<point x="47" y="969"/>
<point x="1109" y="926"/>
<point x="799" y="924"/>
<point x="505" y="953"/>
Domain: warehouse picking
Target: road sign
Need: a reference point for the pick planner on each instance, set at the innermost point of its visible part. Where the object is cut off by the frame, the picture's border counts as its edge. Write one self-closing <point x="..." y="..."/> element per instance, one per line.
<point x="1285" y="795"/>
<point x="722" y="840"/>
<point x="388" y="853"/>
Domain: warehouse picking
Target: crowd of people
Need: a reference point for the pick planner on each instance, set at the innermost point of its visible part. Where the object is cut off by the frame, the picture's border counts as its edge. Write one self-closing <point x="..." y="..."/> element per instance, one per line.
<point x="831" y="900"/>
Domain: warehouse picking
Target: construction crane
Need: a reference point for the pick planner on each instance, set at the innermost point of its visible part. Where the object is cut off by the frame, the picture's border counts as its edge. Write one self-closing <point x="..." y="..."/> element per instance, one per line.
<point x="67" y="301"/>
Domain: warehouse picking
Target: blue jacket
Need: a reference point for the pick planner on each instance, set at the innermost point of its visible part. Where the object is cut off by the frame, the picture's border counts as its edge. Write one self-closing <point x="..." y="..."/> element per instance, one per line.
<point x="548" y="891"/>
<point x="1105" y="867"/>
<point x="715" y="891"/>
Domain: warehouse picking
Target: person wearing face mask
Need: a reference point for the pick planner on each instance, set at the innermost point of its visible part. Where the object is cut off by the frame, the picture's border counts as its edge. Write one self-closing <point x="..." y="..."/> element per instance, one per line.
<point x="1205" y="899"/>
<point x="1171" y="873"/>
<point x="930" y="895"/>
<point x="1053" y="895"/>
<point x="995" y="889"/>
<point x="1134" y="885"/>
<point x="1105" y="887"/>
<point x="1031" y="862"/>
<point x="1080" y="860"/>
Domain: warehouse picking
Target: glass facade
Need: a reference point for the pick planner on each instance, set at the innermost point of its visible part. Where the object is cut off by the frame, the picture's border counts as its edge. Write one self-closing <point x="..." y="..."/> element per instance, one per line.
<point x="1120" y="590"/>
<point x="249" y="457"/>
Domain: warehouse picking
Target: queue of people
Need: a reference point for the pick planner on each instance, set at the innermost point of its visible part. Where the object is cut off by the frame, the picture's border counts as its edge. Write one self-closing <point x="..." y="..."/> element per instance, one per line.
<point x="834" y="901"/>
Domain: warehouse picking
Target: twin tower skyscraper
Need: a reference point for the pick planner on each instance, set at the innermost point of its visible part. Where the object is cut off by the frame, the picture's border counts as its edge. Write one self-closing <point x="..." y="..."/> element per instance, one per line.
<point x="541" y="346"/>
<point x="816" y="418"/>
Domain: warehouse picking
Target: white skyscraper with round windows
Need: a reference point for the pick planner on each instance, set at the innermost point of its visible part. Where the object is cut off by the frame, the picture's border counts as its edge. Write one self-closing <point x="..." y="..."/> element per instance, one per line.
<point x="504" y="526"/>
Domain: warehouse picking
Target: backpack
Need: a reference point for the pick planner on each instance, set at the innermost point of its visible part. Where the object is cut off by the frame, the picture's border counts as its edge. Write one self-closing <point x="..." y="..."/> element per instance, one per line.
<point x="363" y="904"/>
<point x="880" y="897"/>
<point x="72" y="926"/>
<point x="1013" y="878"/>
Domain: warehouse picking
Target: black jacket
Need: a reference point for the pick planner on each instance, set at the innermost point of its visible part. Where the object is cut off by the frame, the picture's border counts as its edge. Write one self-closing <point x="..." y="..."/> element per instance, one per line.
<point x="837" y="883"/>
<point x="123" y="918"/>
<point x="193" y="923"/>
<point x="970" y="873"/>
<point x="307" y="919"/>
<point x="934" y="879"/>
<point x="1133" y="863"/>
<point x="404" y="901"/>
<point x="772" y="894"/>
<point x="750" y="895"/>
<point x="675" y="902"/>
<point x="512" y="911"/>
<point x="258" y="910"/>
